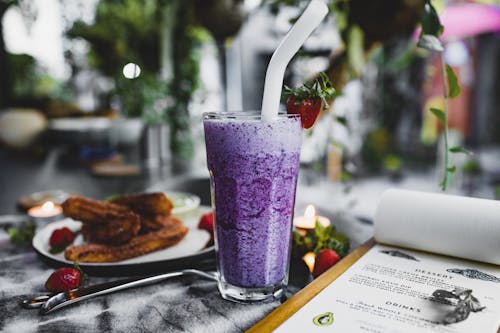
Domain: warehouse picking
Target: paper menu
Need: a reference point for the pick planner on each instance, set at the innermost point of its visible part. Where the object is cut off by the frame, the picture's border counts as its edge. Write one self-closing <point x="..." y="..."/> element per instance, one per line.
<point x="389" y="290"/>
<point x="457" y="226"/>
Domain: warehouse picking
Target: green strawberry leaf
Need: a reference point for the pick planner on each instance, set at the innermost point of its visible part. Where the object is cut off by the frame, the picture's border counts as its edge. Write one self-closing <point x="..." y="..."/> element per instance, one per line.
<point x="84" y="278"/>
<point x="320" y="87"/>
<point x="320" y="238"/>
<point x="453" y="86"/>
<point x="58" y="249"/>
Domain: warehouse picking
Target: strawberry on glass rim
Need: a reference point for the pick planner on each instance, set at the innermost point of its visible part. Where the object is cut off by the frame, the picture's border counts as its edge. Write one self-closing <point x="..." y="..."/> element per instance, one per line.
<point x="308" y="100"/>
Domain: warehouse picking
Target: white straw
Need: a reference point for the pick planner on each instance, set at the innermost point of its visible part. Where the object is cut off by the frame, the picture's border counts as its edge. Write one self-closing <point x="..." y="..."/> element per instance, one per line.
<point x="307" y="22"/>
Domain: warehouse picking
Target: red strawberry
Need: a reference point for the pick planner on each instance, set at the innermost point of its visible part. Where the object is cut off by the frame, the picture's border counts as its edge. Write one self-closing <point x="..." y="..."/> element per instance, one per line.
<point x="325" y="259"/>
<point x="207" y="222"/>
<point x="61" y="238"/>
<point x="68" y="234"/>
<point x="309" y="99"/>
<point x="63" y="279"/>
<point x="308" y="109"/>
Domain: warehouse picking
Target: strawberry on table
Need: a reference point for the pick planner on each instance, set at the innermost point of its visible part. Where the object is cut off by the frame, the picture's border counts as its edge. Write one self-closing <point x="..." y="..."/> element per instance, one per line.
<point x="309" y="99"/>
<point x="325" y="259"/>
<point x="63" y="279"/>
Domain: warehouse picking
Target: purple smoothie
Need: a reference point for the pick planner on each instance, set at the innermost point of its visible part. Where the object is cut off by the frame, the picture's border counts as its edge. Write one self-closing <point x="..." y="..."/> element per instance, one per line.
<point x="253" y="167"/>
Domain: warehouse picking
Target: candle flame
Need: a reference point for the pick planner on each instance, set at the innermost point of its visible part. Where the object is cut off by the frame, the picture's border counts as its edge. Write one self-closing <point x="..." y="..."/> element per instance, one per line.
<point x="309" y="258"/>
<point x="310" y="212"/>
<point x="49" y="205"/>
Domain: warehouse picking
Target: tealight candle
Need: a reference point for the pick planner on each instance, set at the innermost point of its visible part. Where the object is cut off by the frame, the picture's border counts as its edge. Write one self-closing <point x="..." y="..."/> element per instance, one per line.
<point x="46" y="212"/>
<point x="308" y="220"/>
<point x="309" y="258"/>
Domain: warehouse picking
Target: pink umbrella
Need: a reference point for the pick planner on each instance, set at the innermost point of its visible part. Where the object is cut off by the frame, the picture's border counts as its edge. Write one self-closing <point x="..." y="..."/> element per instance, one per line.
<point x="466" y="20"/>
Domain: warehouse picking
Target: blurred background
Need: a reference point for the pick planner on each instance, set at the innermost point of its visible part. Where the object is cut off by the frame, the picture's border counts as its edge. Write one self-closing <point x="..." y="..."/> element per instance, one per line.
<point x="117" y="88"/>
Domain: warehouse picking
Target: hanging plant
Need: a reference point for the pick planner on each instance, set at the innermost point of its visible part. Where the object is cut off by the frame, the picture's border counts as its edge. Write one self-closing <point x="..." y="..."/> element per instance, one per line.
<point x="135" y="31"/>
<point x="364" y="26"/>
<point x="429" y="39"/>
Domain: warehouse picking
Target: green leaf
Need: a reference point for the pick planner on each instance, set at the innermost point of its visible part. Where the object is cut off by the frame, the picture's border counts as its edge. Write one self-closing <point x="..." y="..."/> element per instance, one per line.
<point x="22" y="235"/>
<point x="472" y="167"/>
<point x="342" y="20"/>
<point x="113" y="197"/>
<point x="320" y="238"/>
<point x="404" y="60"/>
<point x="458" y="150"/>
<point x="445" y="182"/>
<point x="341" y="120"/>
<point x="57" y="249"/>
<point x="355" y="48"/>
<point x="440" y="115"/>
<point x="430" y="42"/>
<point x="447" y="177"/>
<point x="430" y="21"/>
<point x="453" y="86"/>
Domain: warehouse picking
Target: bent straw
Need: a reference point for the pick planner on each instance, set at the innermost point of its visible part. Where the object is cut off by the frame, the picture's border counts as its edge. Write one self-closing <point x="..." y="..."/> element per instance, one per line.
<point x="307" y="22"/>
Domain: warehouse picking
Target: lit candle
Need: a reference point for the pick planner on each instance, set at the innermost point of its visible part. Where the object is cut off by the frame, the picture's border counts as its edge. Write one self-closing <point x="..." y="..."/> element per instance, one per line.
<point x="46" y="212"/>
<point x="308" y="220"/>
<point x="309" y="258"/>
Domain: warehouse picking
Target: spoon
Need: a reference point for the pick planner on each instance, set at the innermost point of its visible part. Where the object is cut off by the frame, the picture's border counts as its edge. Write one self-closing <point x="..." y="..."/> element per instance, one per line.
<point x="50" y="303"/>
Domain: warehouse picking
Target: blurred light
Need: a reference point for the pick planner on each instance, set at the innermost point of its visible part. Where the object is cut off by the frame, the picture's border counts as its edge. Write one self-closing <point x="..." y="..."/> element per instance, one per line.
<point x="456" y="54"/>
<point x="49" y="205"/>
<point x="309" y="258"/>
<point x="251" y="4"/>
<point x="131" y="70"/>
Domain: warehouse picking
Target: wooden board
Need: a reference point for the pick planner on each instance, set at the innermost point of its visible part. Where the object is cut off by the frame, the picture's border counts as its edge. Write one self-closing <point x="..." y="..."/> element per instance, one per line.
<point x="292" y="305"/>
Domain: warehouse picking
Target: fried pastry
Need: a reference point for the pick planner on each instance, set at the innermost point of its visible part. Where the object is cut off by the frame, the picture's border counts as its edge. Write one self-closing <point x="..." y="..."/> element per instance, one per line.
<point x="115" y="231"/>
<point x="92" y="211"/>
<point x="137" y="246"/>
<point x="153" y="223"/>
<point x="147" y="204"/>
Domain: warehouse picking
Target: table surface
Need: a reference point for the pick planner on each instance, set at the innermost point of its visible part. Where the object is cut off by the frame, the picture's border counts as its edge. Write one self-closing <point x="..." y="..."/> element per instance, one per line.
<point x="183" y="304"/>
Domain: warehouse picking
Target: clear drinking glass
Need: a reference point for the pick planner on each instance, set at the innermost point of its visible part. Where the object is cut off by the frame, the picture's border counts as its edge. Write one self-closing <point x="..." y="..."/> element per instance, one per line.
<point x="253" y="169"/>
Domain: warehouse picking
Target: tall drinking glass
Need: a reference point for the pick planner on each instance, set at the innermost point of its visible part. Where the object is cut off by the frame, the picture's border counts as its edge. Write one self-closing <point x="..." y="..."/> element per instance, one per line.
<point x="253" y="169"/>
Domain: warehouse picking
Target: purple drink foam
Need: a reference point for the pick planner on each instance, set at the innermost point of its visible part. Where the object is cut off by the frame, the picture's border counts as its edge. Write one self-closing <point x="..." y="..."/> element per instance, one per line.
<point x="254" y="167"/>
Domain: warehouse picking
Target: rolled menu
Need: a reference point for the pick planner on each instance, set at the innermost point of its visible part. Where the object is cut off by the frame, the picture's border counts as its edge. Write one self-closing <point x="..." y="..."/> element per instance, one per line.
<point x="446" y="224"/>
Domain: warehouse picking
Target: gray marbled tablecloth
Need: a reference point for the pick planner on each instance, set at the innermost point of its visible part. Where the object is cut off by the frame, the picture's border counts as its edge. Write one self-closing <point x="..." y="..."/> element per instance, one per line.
<point x="183" y="304"/>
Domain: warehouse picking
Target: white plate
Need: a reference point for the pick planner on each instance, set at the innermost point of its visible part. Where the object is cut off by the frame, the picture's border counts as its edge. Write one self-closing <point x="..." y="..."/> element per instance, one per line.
<point x="191" y="245"/>
<point x="183" y="202"/>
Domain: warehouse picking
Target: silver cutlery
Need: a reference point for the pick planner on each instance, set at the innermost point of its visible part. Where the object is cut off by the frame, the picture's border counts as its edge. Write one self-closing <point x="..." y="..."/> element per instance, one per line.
<point x="48" y="303"/>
